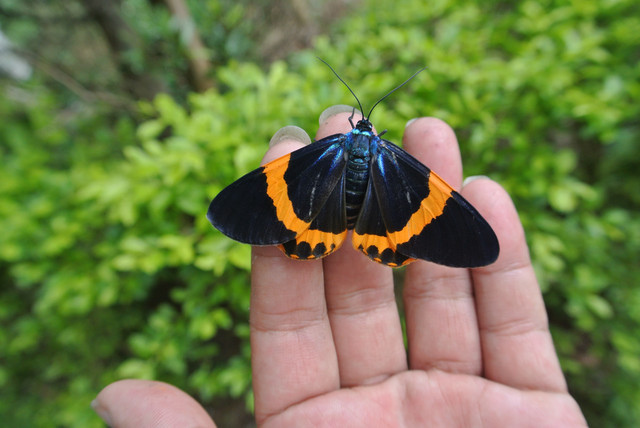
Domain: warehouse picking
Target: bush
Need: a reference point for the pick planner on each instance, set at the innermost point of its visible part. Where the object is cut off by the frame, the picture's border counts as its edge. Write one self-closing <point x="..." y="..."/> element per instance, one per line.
<point x="111" y="269"/>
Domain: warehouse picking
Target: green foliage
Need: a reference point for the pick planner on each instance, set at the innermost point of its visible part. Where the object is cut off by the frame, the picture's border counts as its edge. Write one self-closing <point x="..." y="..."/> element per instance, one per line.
<point x="110" y="268"/>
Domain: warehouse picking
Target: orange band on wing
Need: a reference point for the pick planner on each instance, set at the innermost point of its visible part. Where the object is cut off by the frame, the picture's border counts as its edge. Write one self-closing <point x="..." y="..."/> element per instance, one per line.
<point x="431" y="208"/>
<point x="277" y="191"/>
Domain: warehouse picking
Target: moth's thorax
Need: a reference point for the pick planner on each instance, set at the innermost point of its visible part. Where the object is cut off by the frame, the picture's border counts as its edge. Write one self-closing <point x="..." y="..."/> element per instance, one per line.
<point x="362" y="141"/>
<point x="359" y="147"/>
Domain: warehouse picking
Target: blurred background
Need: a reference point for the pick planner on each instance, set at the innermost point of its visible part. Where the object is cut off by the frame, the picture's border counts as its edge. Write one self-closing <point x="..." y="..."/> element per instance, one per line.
<point x="121" y="119"/>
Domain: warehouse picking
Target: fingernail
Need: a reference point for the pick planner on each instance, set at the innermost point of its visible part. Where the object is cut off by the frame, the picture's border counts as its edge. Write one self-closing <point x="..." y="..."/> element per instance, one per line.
<point x="473" y="178"/>
<point x="410" y="121"/>
<point x="290" y="133"/>
<point x="102" y="412"/>
<point x="337" y="109"/>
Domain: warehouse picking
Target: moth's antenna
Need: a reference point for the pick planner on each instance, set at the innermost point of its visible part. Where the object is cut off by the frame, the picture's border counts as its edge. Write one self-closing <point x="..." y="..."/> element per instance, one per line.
<point x="393" y="90"/>
<point x="345" y="84"/>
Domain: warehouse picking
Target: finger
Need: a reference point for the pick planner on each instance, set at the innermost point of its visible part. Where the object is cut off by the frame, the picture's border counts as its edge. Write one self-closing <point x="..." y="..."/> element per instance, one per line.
<point x="293" y="357"/>
<point x="516" y="343"/>
<point x="145" y="403"/>
<point x="442" y="329"/>
<point x="361" y="304"/>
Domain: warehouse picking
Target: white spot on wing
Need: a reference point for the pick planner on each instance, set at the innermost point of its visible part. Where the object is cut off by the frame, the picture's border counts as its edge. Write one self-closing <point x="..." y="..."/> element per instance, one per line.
<point x="311" y="198"/>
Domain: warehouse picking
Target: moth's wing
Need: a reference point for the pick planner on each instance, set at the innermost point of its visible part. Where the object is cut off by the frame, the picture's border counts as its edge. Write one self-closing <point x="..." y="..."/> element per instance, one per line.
<point x="370" y="233"/>
<point x="282" y="200"/>
<point x="424" y="218"/>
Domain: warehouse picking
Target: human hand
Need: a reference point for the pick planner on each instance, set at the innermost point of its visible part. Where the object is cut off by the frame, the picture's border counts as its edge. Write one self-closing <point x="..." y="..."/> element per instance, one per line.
<point x="327" y="343"/>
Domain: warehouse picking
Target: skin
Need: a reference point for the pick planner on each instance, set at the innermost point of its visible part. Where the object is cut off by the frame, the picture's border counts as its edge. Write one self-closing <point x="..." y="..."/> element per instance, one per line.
<point x="327" y="344"/>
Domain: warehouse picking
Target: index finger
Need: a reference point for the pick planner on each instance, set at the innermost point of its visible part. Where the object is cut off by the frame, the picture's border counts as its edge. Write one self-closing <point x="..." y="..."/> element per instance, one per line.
<point x="293" y="357"/>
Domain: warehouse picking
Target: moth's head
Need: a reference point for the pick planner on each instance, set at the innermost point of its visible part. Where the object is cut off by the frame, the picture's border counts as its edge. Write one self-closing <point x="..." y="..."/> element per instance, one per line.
<point x="364" y="125"/>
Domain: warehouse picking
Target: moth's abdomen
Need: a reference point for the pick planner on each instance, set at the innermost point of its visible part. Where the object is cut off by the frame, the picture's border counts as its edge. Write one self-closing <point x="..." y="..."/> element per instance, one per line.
<point x="357" y="173"/>
<point x="357" y="176"/>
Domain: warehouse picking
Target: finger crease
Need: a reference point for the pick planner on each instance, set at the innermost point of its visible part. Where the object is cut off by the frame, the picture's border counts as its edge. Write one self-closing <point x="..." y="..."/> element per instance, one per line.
<point x="515" y="328"/>
<point x="291" y="320"/>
